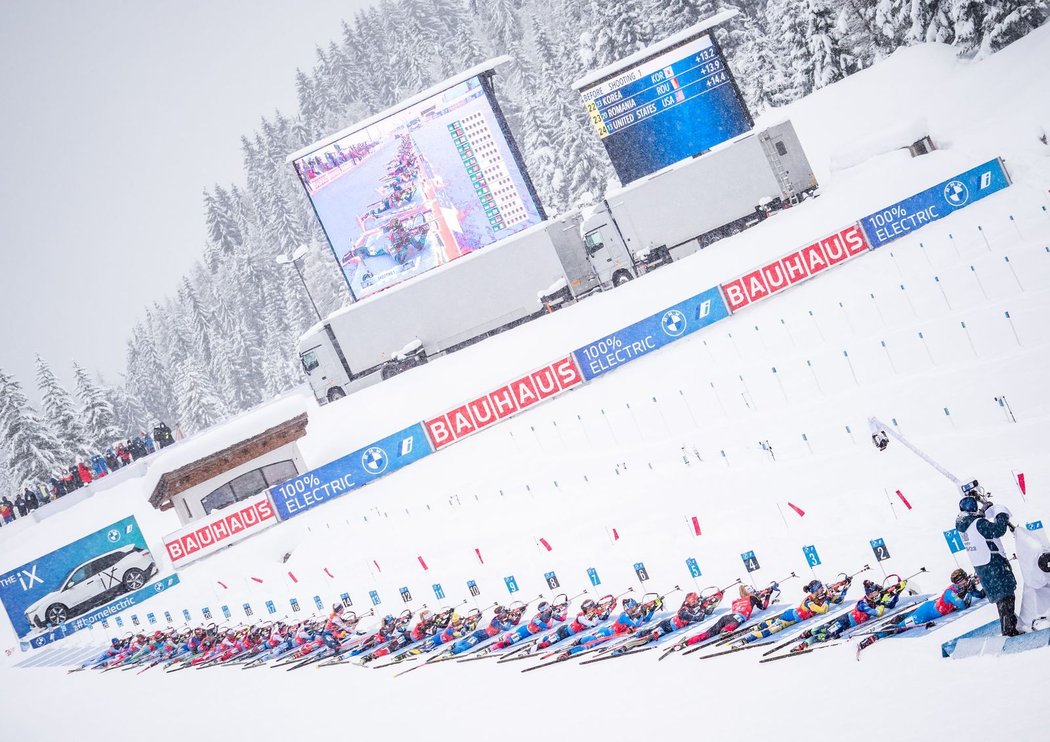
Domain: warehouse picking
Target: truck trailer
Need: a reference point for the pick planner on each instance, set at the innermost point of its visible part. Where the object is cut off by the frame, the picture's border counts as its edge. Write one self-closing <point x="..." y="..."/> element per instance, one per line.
<point x="683" y="208"/>
<point x="652" y="222"/>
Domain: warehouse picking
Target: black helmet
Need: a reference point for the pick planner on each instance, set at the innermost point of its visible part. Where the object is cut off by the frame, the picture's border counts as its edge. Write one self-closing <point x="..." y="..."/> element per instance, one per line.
<point x="1044" y="562"/>
<point x="959" y="575"/>
<point x="588" y="605"/>
<point x="969" y="504"/>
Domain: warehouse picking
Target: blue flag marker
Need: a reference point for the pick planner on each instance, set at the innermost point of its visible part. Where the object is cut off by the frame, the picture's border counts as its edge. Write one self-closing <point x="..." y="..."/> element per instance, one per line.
<point x="812" y="557"/>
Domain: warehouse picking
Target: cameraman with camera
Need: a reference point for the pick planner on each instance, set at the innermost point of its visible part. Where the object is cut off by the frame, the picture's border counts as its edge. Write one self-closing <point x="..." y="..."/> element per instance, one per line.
<point x="981" y="525"/>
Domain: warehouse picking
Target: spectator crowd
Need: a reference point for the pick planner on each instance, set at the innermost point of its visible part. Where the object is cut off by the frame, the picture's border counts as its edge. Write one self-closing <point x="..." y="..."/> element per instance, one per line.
<point x="84" y="472"/>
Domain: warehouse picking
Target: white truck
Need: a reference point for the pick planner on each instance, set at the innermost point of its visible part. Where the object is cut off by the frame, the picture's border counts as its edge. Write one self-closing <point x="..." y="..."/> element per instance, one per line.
<point x="651" y="222"/>
<point x="683" y="208"/>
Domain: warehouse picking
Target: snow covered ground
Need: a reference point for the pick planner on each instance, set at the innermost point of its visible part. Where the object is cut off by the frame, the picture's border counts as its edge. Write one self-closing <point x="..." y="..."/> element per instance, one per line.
<point x="613" y="455"/>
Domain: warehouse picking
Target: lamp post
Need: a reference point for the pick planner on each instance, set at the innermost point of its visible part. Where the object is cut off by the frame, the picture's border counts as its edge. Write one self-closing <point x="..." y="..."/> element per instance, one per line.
<point x="299" y="253"/>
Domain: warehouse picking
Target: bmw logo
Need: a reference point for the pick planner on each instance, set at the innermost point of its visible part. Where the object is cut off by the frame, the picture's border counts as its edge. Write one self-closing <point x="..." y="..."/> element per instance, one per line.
<point x="673" y="322"/>
<point x="374" y="460"/>
<point x="113" y="535"/>
<point x="956" y="193"/>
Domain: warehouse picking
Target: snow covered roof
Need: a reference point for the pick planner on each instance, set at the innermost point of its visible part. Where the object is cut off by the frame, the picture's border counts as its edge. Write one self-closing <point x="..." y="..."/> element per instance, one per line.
<point x="478" y="69"/>
<point x="190" y="475"/>
<point x="652" y="50"/>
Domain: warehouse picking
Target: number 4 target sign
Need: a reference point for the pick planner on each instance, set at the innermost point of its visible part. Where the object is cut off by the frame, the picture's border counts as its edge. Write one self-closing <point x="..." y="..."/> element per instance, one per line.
<point x="750" y="561"/>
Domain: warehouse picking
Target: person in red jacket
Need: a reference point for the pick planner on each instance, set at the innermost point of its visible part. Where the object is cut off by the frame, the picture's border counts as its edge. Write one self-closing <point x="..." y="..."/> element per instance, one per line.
<point x="739" y="612"/>
<point x="84" y="472"/>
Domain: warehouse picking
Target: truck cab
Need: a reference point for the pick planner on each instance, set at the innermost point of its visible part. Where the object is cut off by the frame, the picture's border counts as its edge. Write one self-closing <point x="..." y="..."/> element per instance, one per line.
<point x="606" y="251"/>
<point x="328" y="377"/>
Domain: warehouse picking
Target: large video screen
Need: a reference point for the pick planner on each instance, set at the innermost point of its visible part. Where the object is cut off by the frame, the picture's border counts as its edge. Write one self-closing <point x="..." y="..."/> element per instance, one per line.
<point x="675" y="105"/>
<point x="418" y="188"/>
<point x="88" y="580"/>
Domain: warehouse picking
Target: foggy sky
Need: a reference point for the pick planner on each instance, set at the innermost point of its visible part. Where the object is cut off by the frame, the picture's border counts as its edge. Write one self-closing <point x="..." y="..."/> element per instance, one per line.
<point x="115" y="116"/>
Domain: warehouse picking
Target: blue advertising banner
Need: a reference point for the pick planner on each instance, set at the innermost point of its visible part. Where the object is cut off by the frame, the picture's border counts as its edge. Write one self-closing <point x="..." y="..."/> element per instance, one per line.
<point x="78" y="580"/>
<point x="656" y="331"/>
<point x="511" y="583"/>
<point x="954" y="540"/>
<point x="693" y="567"/>
<point x="356" y="469"/>
<point x="934" y="203"/>
<point x="592" y="575"/>
<point x="89" y="619"/>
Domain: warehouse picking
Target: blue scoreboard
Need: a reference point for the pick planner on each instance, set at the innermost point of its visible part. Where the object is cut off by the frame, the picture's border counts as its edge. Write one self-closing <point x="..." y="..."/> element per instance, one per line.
<point x="676" y="104"/>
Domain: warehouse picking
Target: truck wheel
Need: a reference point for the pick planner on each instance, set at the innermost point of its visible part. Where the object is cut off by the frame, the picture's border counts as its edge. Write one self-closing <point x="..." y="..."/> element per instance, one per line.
<point x="56" y="614"/>
<point x="134" y="578"/>
<point x="336" y="392"/>
<point x="621" y="277"/>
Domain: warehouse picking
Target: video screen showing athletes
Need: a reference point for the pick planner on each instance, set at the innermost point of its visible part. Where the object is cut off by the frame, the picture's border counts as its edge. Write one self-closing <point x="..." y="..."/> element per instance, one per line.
<point x="418" y="188"/>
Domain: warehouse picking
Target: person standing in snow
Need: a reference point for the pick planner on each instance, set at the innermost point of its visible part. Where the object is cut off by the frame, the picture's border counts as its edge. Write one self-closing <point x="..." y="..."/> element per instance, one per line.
<point x="981" y="524"/>
<point x="84" y="472"/>
<point x="31" y="501"/>
<point x="162" y="435"/>
<point x="20" y="506"/>
<point x="7" y="510"/>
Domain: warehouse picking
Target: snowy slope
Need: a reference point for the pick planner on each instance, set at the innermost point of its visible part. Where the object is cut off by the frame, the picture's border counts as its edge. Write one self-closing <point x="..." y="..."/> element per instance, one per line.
<point x="613" y="455"/>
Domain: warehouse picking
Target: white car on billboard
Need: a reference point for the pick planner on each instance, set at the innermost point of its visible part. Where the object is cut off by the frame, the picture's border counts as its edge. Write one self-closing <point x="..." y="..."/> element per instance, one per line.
<point x="92" y="583"/>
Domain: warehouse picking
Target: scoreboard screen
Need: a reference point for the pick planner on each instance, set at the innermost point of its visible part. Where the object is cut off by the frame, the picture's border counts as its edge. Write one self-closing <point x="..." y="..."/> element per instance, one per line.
<point x="418" y="186"/>
<point x="674" y="105"/>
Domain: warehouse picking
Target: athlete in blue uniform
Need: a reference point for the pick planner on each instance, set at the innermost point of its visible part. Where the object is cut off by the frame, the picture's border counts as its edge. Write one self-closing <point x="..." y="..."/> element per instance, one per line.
<point x="503" y="620"/>
<point x="960" y="595"/>
<point x="545" y="618"/>
<point x="634" y="614"/>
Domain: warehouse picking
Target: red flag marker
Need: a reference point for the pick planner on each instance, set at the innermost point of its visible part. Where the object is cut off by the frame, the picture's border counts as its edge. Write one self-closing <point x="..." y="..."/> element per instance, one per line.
<point x="478" y="552"/>
<point x="329" y="573"/>
<point x="223" y="584"/>
<point x="797" y="509"/>
<point x="257" y="580"/>
<point x="422" y="563"/>
<point x="546" y="545"/>
<point x="616" y="535"/>
<point x="904" y="499"/>
<point x="294" y="578"/>
<point x="377" y="565"/>
<point x="696" y="525"/>
<point x="1020" y="483"/>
